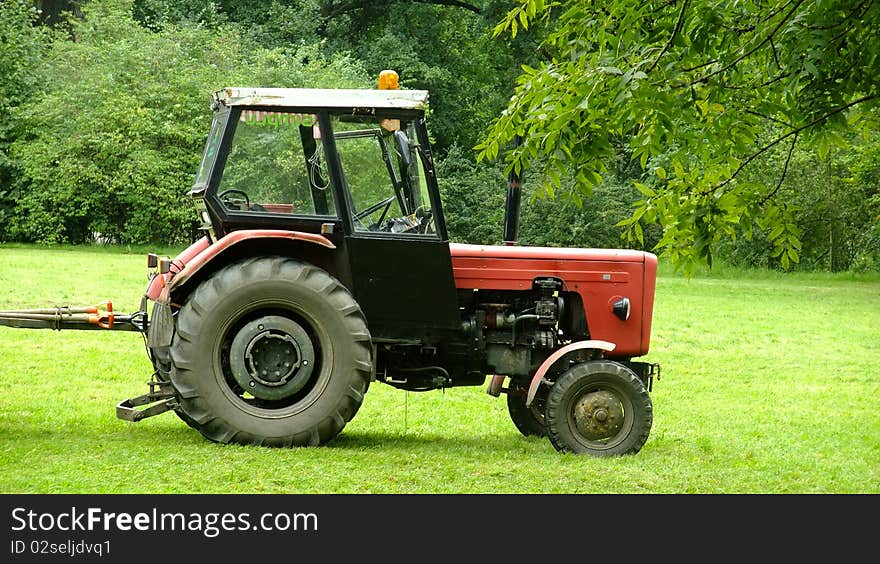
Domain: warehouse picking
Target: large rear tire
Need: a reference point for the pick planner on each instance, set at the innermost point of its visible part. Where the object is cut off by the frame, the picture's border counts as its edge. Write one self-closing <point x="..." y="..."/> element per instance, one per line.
<point x="161" y="357"/>
<point x="599" y="408"/>
<point x="270" y="351"/>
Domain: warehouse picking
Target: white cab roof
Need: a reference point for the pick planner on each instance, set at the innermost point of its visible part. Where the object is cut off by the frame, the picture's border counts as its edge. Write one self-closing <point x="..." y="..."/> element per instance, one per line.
<point x="324" y="98"/>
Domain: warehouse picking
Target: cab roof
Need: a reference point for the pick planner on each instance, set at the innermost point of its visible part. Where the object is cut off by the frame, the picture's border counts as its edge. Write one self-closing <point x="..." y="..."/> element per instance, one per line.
<point x="323" y="98"/>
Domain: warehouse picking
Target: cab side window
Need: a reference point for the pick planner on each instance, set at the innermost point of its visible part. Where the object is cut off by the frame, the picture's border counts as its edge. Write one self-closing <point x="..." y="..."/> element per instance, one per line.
<point x="383" y="176"/>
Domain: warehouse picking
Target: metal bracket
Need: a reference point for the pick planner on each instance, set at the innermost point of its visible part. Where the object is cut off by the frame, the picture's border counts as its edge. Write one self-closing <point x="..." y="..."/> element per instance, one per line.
<point x="161" y="392"/>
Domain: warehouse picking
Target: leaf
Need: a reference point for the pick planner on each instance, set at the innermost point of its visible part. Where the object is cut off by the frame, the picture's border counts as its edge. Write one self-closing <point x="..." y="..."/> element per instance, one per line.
<point x="776" y="232"/>
<point x="679" y="170"/>
<point x="644" y="189"/>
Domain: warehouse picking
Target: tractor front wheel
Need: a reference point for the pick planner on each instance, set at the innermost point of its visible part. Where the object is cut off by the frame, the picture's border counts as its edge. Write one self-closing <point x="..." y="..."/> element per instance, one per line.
<point x="270" y="351"/>
<point x="600" y="408"/>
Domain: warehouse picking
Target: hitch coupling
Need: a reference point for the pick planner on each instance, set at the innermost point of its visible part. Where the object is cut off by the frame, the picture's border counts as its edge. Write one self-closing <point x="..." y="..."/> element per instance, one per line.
<point x="161" y="394"/>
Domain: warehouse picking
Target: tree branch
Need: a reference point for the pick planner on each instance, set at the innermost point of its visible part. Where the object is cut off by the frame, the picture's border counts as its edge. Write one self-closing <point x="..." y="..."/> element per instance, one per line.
<point x="769" y="118"/>
<point x="675" y="31"/>
<point x="795" y="132"/>
<point x="764" y="84"/>
<point x="775" y="54"/>
<point x="864" y="4"/>
<point x="784" y="171"/>
<point x="773" y="13"/>
<point x="751" y="51"/>
<point x="454" y="3"/>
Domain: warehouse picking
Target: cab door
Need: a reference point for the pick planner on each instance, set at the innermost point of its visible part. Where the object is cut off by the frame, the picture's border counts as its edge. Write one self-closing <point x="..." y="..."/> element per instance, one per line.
<point x="396" y="241"/>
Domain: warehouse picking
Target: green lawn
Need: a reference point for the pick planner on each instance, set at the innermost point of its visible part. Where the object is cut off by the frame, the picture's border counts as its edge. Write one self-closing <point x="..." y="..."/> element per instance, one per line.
<point x="768" y="386"/>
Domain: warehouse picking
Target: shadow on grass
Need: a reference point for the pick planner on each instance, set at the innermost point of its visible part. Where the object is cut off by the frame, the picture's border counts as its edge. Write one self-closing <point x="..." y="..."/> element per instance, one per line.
<point x="31" y="435"/>
<point x="488" y="444"/>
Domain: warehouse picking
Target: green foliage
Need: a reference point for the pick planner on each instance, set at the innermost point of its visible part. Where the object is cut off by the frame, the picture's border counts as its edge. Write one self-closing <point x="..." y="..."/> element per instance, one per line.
<point x="718" y="131"/>
<point x="115" y="140"/>
<point x="445" y="49"/>
<point x="157" y="14"/>
<point x="473" y="198"/>
<point x="693" y="86"/>
<point x="22" y="47"/>
<point x="833" y="204"/>
<point x="474" y="202"/>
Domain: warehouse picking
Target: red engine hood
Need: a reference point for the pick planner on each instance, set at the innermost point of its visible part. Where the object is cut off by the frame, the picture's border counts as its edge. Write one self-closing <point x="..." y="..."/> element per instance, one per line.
<point x="546" y="253"/>
<point x="600" y="276"/>
<point x="513" y="267"/>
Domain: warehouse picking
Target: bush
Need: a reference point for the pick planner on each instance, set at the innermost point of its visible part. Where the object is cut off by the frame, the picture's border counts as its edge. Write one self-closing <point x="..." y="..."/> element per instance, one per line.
<point x="834" y="202"/>
<point x="115" y="140"/>
<point x="22" y="49"/>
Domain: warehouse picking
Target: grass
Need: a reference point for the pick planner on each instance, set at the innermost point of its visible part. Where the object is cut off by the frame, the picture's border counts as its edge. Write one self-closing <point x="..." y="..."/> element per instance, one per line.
<point x="768" y="386"/>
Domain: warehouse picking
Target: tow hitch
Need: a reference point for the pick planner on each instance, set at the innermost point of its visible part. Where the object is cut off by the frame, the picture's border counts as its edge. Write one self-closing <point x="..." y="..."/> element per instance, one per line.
<point x="160" y="391"/>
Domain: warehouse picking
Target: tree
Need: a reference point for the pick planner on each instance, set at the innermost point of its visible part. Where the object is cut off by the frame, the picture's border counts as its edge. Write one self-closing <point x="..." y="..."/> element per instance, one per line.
<point x="443" y="46"/>
<point x="22" y="47"/>
<point x="112" y="142"/>
<point x="698" y="90"/>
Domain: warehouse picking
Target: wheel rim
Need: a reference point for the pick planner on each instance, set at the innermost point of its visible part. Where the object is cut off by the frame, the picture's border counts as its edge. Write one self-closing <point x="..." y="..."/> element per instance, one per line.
<point x="244" y="350"/>
<point x="600" y="416"/>
<point x="272" y="357"/>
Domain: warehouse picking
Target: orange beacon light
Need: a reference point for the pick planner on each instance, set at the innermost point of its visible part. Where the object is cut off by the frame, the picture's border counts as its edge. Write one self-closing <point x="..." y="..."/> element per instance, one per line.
<point x="387" y="80"/>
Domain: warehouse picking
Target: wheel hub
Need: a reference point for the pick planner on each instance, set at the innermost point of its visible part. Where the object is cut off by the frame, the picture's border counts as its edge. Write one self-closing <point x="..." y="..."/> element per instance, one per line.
<point x="598" y="415"/>
<point x="272" y="357"/>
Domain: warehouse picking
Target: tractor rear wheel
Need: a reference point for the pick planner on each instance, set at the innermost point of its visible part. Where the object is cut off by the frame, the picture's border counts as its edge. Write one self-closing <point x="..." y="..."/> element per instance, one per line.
<point x="270" y="351"/>
<point x="600" y="408"/>
<point x="161" y="357"/>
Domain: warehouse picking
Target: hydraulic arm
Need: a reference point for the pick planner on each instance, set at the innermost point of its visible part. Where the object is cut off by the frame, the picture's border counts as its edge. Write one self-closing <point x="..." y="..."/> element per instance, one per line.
<point x="100" y="316"/>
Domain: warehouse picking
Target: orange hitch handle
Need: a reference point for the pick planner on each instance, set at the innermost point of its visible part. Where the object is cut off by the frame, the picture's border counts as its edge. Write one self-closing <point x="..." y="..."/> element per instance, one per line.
<point x="105" y="321"/>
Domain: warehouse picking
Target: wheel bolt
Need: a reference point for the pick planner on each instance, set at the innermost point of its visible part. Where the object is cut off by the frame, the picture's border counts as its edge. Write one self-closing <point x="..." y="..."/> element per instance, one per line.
<point x="252" y="383"/>
<point x="305" y="363"/>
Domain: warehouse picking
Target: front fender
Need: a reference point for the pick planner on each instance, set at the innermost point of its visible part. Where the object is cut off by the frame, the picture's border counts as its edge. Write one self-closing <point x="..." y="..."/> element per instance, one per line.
<point x="538" y="378"/>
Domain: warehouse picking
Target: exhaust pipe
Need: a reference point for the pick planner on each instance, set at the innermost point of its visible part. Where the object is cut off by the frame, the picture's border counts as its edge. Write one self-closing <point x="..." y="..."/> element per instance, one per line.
<point x="511" y="207"/>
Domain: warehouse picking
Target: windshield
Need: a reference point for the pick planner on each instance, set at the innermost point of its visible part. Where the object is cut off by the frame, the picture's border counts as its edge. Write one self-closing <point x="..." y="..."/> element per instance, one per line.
<point x="204" y="173"/>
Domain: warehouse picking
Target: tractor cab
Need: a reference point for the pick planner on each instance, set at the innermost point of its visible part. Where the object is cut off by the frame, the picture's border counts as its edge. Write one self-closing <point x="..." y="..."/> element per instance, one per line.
<point x="351" y="166"/>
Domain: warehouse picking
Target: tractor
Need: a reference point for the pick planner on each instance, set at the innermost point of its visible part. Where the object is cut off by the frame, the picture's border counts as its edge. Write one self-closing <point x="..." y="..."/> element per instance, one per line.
<point x="322" y="264"/>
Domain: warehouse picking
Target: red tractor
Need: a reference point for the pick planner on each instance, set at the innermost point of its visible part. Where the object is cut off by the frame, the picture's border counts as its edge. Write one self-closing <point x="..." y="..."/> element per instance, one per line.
<point x="325" y="265"/>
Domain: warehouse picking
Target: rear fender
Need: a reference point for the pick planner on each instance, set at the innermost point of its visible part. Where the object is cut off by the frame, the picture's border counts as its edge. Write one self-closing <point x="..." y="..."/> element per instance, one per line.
<point x="161" y="325"/>
<point x="210" y="252"/>
<point x="159" y="281"/>
<point x="557" y="355"/>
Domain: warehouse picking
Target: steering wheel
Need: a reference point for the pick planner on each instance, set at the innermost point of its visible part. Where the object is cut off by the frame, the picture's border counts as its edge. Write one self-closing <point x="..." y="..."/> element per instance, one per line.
<point x="386" y="203"/>
<point x="223" y="197"/>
